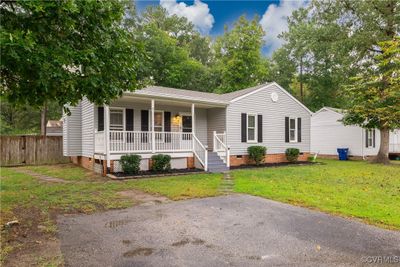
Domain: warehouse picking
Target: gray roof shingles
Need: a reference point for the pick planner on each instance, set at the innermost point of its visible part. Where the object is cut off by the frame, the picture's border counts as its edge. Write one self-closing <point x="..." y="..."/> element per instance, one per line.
<point x="182" y="93"/>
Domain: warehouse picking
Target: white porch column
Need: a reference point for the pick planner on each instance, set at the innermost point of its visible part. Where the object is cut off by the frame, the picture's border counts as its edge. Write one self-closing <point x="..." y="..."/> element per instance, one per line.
<point x="193" y="119"/>
<point x="107" y="133"/>
<point x="193" y="125"/>
<point x="153" y="137"/>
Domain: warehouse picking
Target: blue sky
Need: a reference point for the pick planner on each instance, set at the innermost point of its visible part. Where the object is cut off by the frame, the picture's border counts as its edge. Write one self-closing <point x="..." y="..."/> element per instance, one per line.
<point x="211" y="16"/>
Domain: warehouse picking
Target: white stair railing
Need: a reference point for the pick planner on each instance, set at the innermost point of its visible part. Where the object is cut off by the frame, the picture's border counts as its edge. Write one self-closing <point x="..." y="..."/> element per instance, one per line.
<point x="200" y="151"/>
<point x="221" y="147"/>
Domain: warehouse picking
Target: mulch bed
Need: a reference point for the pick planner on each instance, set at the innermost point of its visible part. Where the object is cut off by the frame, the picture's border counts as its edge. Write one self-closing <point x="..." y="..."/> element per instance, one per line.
<point x="280" y="164"/>
<point x="151" y="174"/>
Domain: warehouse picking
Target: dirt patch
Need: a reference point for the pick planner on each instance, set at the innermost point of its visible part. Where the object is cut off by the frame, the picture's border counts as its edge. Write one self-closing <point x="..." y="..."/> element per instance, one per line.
<point x="139" y="252"/>
<point x="142" y="197"/>
<point x="115" y="224"/>
<point x="32" y="241"/>
<point x="126" y="242"/>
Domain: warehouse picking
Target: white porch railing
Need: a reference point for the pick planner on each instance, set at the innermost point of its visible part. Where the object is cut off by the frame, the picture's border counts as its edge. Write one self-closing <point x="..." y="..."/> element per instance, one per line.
<point x="200" y="152"/>
<point x="221" y="148"/>
<point x="394" y="148"/>
<point x="141" y="142"/>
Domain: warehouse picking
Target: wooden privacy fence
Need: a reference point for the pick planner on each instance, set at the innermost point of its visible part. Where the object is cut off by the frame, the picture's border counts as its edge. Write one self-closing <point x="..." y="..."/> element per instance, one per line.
<point x="31" y="150"/>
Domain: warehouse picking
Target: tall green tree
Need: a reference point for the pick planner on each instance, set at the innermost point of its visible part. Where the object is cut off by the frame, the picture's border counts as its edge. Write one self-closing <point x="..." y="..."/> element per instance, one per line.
<point x="374" y="95"/>
<point x="61" y="51"/>
<point x="238" y="59"/>
<point x="332" y="39"/>
<point x="171" y="47"/>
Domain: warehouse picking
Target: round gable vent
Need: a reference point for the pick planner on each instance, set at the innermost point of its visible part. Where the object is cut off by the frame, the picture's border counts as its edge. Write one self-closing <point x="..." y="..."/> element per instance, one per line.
<point x="274" y="97"/>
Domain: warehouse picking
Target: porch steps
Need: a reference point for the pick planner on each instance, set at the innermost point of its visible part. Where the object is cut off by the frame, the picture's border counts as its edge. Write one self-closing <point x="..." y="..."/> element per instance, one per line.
<point x="215" y="163"/>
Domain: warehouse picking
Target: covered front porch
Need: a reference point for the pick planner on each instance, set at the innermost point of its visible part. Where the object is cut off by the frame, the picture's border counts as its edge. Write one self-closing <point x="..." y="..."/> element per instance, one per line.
<point x="134" y="125"/>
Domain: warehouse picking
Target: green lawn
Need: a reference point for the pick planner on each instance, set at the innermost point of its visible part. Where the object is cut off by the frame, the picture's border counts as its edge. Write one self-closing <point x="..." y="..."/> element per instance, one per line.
<point x="34" y="202"/>
<point x="355" y="189"/>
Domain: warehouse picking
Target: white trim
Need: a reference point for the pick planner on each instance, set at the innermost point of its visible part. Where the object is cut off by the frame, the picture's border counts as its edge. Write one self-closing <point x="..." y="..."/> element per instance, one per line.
<point x="187" y="114"/>
<point x="326" y="109"/>
<point x="255" y="127"/>
<point x="267" y="86"/>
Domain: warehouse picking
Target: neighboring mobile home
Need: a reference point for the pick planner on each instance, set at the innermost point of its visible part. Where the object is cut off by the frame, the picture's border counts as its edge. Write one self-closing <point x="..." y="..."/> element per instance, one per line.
<point x="328" y="133"/>
<point x="205" y="130"/>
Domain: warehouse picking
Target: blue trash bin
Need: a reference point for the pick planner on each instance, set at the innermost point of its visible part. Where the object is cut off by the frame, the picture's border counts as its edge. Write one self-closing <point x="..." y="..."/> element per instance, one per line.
<point x="343" y="153"/>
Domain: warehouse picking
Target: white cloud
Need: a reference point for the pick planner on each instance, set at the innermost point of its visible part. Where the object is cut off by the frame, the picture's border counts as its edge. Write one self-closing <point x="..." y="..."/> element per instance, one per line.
<point x="274" y="21"/>
<point x="198" y="13"/>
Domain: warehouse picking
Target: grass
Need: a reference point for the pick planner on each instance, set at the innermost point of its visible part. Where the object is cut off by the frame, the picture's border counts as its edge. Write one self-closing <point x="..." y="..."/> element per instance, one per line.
<point x="359" y="189"/>
<point x="34" y="202"/>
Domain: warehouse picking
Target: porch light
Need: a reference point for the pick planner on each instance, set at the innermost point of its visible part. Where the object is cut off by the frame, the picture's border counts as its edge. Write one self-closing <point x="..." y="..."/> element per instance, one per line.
<point x="176" y="120"/>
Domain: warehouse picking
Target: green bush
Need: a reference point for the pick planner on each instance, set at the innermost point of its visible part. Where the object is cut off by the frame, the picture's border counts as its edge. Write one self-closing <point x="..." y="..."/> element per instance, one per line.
<point x="130" y="163"/>
<point x="257" y="153"/>
<point x="292" y="154"/>
<point x="161" y="163"/>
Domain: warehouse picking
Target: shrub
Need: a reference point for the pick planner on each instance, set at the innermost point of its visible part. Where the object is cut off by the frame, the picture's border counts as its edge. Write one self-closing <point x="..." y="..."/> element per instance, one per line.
<point x="161" y="163"/>
<point x="257" y="153"/>
<point x="130" y="163"/>
<point x="292" y="154"/>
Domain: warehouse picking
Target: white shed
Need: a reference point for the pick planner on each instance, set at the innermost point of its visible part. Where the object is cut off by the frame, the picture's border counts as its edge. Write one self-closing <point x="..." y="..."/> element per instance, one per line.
<point x="328" y="133"/>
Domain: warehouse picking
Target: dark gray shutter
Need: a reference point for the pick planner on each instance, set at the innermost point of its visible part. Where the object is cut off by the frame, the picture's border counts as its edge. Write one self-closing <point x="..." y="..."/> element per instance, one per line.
<point x="259" y="128"/>
<point x="244" y="127"/>
<point x="144" y="120"/>
<point x="100" y="118"/>
<point x="298" y="129"/>
<point x="129" y="119"/>
<point x="373" y="138"/>
<point x="287" y="129"/>
<point x="167" y="126"/>
<point x="366" y="137"/>
<point x="129" y="125"/>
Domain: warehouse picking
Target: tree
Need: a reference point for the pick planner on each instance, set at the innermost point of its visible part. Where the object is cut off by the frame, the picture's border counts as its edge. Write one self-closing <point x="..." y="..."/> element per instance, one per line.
<point x="238" y="59"/>
<point x="170" y="44"/>
<point x="62" y="51"/>
<point x="332" y="39"/>
<point x="375" y="96"/>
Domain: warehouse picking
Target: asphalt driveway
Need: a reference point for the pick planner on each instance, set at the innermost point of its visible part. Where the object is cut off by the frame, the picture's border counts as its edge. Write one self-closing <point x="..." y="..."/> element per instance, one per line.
<point x="234" y="230"/>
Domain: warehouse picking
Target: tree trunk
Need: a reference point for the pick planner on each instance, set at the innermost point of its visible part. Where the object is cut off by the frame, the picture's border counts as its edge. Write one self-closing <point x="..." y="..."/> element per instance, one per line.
<point x="43" y="120"/>
<point x="383" y="154"/>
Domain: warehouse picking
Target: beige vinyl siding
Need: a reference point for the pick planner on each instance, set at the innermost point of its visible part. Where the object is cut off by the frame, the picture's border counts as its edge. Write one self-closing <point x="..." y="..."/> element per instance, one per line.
<point x="87" y="128"/>
<point x="72" y="133"/>
<point x="328" y="134"/>
<point x="274" y="114"/>
<point x="216" y="121"/>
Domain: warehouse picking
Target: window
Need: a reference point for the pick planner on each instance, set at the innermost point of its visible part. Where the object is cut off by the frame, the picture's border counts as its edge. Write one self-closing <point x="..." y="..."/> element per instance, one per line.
<point x="370" y="138"/>
<point x="292" y="130"/>
<point x="158" y="121"/>
<point x="116" y="119"/>
<point x="251" y="128"/>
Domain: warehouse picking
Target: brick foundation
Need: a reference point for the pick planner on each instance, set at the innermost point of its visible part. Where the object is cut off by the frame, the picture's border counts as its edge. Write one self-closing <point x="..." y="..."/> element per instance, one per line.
<point x="85" y="162"/>
<point x="190" y="162"/>
<point x="269" y="158"/>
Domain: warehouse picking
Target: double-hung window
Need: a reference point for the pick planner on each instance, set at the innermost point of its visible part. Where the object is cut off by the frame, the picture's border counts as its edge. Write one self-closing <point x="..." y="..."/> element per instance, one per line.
<point x="251" y="128"/>
<point x="370" y="138"/>
<point x="116" y="119"/>
<point x="292" y="129"/>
